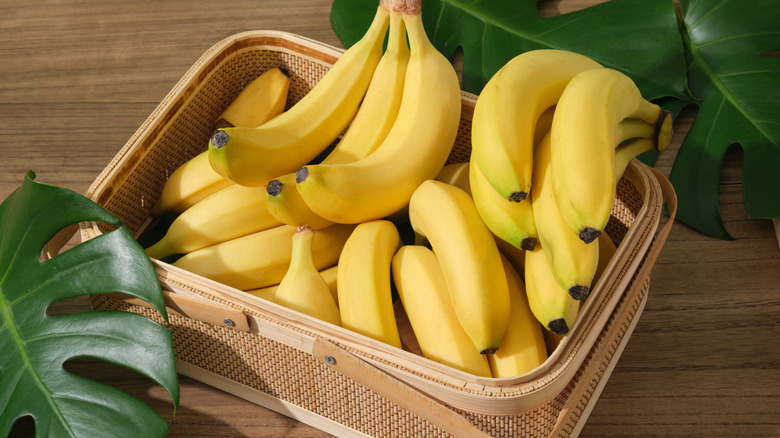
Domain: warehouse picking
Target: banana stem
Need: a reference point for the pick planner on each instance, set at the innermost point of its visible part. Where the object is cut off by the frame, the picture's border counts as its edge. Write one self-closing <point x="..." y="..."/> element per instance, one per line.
<point x="404" y="7"/>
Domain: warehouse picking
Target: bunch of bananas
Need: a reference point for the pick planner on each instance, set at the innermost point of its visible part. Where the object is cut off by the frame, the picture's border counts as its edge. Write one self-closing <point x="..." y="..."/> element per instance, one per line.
<point x="305" y="207"/>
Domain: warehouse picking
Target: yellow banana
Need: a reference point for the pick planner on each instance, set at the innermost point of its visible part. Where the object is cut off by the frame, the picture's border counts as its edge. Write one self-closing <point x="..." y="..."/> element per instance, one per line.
<point x="261" y="259"/>
<point x="373" y="121"/>
<point x="550" y="303"/>
<point x="446" y="216"/>
<point x="263" y="99"/>
<point x="302" y="288"/>
<point x="286" y="205"/>
<point x="572" y="261"/>
<point x="254" y="105"/>
<point x="415" y="149"/>
<point x="232" y="212"/>
<point x="523" y="347"/>
<point x="364" y="291"/>
<point x="327" y="274"/>
<point x="253" y="156"/>
<point x="513" y="222"/>
<point x="425" y="297"/>
<point x="507" y="111"/>
<point x="584" y="137"/>
<point x="456" y="174"/>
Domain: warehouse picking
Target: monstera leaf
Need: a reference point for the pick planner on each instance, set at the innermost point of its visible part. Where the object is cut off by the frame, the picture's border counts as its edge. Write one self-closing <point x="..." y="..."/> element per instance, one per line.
<point x="724" y="52"/>
<point x="35" y="345"/>
<point x="733" y="72"/>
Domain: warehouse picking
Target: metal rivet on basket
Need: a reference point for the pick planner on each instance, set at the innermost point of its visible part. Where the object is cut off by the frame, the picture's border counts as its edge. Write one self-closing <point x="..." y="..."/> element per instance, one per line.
<point x="330" y="359"/>
<point x="228" y="322"/>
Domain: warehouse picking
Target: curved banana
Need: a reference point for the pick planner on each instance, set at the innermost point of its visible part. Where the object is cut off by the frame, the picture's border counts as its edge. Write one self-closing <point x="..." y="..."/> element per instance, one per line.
<point x="446" y="216"/>
<point x="286" y="205"/>
<point x="373" y="121"/>
<point x="263" y="99"/>
<point x="426" y="300"/>
<point x="572" y="261"/>
<point x="232" y="212"/>
<point x="261" y="259"/>
<point x="253" y="156"/>
<point x="302" y="288"/>
<point x="254" y="104"/>
<point x="513" y="222"/>
<point x="364" y="281"/>
<point x="327" y="274"/>
<point x="584" y="135"/>
<point x="523" y="347"/>
<point x="415" y="149"/>
<point x="550" y="303"/>
<point x="507" y="111"/>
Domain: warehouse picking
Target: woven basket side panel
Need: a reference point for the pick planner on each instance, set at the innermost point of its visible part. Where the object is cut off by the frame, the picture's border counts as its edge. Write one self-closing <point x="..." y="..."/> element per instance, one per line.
<point x="296" y="377"/>
<point x="187" y="132"/>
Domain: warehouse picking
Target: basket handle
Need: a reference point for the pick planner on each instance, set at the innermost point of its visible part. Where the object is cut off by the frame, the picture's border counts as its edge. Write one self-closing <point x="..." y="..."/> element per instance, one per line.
<point x="393" y="389"/>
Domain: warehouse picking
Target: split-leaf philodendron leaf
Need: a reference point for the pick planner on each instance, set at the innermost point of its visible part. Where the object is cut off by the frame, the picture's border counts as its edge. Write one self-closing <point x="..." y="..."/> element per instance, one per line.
<point x="36" y="345"/>
<point x="724" y="51"/>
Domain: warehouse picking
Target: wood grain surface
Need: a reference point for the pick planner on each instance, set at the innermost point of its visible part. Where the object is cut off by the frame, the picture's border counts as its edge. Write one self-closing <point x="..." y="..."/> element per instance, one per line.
<point x="77" y="78"/>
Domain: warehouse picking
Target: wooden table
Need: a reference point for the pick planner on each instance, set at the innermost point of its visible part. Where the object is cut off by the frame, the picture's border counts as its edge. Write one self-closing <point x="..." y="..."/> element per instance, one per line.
<point x="78" y="78"/>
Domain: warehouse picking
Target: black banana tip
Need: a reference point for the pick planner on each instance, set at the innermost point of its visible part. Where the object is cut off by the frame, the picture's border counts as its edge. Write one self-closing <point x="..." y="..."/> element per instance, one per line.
<point x="517" y="196"/>
<point x="490" y="350"/>
<point x="274" y="187"/>
<point x="219" y="139"/>
<point x="301" y="174"/>
<point x="529" y="243"/>
<point x="558" y="326"/>
<point x="589" y="234"/>
<point x="579" y="293"/>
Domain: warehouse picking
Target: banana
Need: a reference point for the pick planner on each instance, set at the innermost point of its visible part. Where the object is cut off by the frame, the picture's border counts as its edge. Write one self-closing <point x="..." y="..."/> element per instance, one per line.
<point x="446" y="216"/>
<point x="572" y="261"/>
<point x="507" y="111"/>
<point x="550" y="303"/>
<point x="253" y="156"/>
<point x="583" y="138"/>
<point x="364" y="281"/>
<point x="513" y="222"/>
<point x="302" y="288"/>
<point x="373" y="121"/>
<point x="261" y="259"/>
<point x="286" y="205"/>
<point x="425" y="298"/>
<point x="523" y="347"/>
<point x="327" y="274"/>
<point x="415" y="149"/>
<point x="254" y="105"/>
<point x="456" y="174"/>
<point x="263" y="99"/>
<point x="232" y="212"/>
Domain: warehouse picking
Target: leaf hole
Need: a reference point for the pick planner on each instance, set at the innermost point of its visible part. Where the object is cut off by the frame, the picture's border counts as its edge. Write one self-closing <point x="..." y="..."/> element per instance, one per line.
<point x="457" y="63"/>
<point x="62" y="241"/>
<point x="23" y="427"/>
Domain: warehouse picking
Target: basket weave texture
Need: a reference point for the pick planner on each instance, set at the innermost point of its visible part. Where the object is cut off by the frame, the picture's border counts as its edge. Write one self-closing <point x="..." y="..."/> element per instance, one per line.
<point x="553" y="400"/>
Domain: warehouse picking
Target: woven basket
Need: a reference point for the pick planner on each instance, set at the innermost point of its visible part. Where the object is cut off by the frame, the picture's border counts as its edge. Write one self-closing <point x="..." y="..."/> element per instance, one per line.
<point x="330" y="377"/>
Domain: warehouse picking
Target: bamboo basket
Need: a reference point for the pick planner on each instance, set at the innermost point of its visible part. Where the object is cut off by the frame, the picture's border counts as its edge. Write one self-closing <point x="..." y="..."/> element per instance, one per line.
<point x="327" y="376"/>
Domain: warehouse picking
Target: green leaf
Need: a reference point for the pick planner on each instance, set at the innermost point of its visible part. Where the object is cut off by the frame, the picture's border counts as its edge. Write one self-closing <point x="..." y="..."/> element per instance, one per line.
<point x="637" y="37"/>
<point x="35" y="345"/>
<point x="739" y="89"/>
